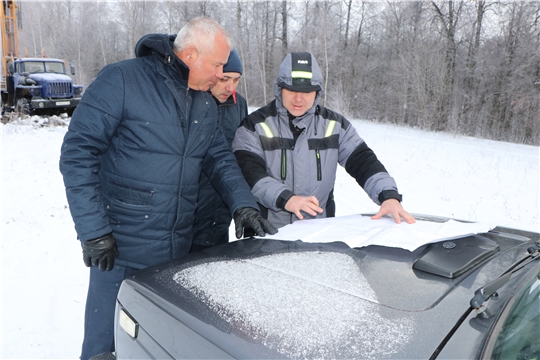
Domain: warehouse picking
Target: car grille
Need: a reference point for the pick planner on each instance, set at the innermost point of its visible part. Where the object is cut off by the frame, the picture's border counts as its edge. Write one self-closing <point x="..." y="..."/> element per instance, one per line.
<point x="61" y="89"/>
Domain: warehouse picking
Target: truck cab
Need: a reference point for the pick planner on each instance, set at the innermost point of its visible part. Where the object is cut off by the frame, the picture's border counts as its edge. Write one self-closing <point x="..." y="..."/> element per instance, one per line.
<point x="29" y="85"/>
<point x="40" y="86"/>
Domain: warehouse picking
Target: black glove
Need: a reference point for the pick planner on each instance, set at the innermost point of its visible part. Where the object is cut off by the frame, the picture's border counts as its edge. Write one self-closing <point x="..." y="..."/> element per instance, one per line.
<point x="100" y="252"/>
<point x="249" y="217"/>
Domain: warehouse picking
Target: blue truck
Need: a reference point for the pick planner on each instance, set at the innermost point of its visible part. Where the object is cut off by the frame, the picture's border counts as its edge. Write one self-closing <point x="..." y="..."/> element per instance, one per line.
<point x="40" y="86"/>
<point x="37" y="85"/>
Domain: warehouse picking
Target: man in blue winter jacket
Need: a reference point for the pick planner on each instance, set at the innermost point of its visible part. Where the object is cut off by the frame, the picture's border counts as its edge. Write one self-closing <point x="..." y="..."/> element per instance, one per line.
<point x="213" y="217"/>
<point x="132" y="159"/>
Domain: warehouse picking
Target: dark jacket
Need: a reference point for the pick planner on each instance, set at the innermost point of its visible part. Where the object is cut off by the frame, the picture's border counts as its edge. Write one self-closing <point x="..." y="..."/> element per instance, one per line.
<point x="133" y="155"/>
<point x="213" y="217"/>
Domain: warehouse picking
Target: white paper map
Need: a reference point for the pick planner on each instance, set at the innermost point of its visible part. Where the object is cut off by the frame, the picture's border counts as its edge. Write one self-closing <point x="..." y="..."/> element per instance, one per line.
<point x="360" y="231"/>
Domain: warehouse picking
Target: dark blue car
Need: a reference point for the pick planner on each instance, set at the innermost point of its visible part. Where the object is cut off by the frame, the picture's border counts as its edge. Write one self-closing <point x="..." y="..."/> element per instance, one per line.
<point x="473" y="297"/>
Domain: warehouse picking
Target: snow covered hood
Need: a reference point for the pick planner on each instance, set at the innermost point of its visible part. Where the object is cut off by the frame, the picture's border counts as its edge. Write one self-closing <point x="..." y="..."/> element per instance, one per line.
<point x="272" y="298"/>
<point x="317" y="312"/>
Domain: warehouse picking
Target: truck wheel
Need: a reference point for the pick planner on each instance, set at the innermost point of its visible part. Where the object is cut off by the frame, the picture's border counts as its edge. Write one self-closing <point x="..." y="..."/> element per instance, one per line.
<point x="23" y="107"/>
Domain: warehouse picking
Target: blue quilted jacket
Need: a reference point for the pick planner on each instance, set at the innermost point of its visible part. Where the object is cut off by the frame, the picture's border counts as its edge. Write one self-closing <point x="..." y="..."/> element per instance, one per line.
<point x="133" y="155"/>
<point x="213" y="217"/>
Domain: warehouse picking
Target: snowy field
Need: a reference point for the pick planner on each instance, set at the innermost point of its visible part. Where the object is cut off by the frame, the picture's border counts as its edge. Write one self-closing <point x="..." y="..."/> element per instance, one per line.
<point x="44" y="280"/>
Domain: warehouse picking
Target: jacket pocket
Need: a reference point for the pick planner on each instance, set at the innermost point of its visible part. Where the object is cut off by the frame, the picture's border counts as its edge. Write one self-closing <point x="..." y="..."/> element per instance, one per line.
<point x="131" y="197"/>
<point x="129" y="207"/>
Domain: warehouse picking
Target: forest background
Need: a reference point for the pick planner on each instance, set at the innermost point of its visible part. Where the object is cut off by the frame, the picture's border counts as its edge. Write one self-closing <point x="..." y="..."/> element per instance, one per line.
<point x="465" y="67"/>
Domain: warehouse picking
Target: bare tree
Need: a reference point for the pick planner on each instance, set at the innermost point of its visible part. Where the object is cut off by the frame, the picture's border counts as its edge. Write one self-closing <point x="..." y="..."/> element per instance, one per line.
<point x="284" y="29"/>
<point x="448" y="22"/>
<point x="465" y="67"/>
<point x="468" y="110"/>
<point x="348" y="4"/>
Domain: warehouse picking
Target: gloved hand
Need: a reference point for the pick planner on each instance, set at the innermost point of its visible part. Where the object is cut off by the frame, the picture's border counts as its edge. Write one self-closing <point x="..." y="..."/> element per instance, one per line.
<point x="249" y="217"/>
<point x="100" y="252"/>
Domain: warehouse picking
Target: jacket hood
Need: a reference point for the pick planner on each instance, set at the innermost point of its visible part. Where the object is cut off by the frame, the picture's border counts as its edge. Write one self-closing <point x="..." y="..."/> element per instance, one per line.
<point x="161" y="46"/>
<point x="299" y="72"/>
<point x="155" y="43"/>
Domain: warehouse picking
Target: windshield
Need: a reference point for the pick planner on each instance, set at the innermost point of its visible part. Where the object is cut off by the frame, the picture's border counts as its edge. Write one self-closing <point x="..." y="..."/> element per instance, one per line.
<point x="55" y="67"/>
<point x="519" y="334"/>
<point x="43" y="66"/>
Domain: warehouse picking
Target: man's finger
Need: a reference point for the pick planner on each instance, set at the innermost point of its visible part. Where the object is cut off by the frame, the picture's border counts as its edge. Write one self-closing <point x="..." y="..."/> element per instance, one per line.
<point x="376" y="216"/>
<point x="110" y="262"/>
<point x="269" y="227"/>
<point x="316" y="209"/>
<point x="87" y="260"/>
<point x="256" y="225"/>
<point x="408" y="218"/>
<point x="238" y="227"/>
<point x="102" y="264"/>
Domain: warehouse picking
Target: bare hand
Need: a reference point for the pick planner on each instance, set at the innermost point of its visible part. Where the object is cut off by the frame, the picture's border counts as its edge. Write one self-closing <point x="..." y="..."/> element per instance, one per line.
<point x="393" y="207"/>
<point x="308" y="204"/>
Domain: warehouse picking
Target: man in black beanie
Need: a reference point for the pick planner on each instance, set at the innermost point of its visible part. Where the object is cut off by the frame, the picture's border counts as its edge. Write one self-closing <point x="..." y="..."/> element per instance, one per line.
<point x="213" y="217"/>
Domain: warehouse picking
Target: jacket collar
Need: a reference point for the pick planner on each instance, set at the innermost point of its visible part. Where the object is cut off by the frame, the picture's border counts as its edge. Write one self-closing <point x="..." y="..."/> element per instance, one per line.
<point x="231" y="100"/>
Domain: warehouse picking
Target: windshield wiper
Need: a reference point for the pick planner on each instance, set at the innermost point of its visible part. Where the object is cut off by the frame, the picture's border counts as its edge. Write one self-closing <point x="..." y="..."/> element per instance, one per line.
<point x="488" y="291"/>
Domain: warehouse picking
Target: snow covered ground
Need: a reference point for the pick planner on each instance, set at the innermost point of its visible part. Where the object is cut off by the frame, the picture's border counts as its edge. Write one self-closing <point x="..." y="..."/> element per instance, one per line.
<point x="44" y="279"/>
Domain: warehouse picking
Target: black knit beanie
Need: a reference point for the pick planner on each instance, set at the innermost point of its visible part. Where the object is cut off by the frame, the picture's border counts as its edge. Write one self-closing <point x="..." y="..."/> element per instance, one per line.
<point x="234" y="64"/>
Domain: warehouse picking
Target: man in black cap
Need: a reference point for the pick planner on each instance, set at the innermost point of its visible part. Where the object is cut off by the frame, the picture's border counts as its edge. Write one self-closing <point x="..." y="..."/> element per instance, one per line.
<point x="289" y="149"/>
<point x="213" y="217"/>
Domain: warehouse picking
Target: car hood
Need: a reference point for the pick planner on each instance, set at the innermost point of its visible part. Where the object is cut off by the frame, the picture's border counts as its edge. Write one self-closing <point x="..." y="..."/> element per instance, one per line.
<point x="374" y="274"/>
<point x="309" y="300"/>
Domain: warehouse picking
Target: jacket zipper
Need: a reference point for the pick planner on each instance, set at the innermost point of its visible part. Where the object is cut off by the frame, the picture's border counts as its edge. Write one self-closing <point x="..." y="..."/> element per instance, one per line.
<point x="318" y="157"/>
<point x="283" y="164"/>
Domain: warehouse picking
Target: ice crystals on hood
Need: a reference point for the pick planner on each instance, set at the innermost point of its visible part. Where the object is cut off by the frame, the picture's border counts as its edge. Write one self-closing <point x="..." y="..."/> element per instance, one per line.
<point x="303" y="305"/>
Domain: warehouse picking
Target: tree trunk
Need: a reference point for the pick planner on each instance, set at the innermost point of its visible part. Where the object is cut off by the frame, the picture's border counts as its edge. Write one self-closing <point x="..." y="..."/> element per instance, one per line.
<point x="284" y="32"/>
<point x="347" y="23"/>
<point x="448" y="22"/>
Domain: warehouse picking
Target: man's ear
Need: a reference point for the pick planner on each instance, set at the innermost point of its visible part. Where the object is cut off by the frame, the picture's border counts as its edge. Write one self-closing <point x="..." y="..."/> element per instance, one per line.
<point x="189" y="55"/>
<point x="192" y="53"/>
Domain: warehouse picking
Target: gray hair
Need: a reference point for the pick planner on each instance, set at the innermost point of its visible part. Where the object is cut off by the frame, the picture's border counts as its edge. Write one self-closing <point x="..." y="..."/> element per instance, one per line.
<point x="200" y="33"/>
